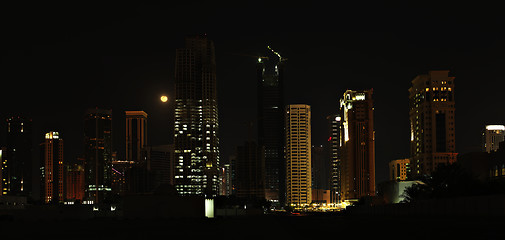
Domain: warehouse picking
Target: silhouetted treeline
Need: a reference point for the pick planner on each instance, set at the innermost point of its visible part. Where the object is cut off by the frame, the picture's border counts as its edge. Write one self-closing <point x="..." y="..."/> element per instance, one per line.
<point x="449" y="181"/>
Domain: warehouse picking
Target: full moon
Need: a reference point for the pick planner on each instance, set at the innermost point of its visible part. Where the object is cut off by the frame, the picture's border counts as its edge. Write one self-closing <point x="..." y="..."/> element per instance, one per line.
<point x="164" y="98"/>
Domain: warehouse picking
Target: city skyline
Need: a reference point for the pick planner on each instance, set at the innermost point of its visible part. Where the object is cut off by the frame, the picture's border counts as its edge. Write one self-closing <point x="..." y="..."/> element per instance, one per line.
<point x="107" y="76"/>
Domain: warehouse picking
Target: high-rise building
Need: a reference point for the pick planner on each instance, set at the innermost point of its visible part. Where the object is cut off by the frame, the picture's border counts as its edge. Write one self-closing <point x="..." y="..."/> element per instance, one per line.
<point x="226" y="180"/>
<point x="270" y="82"/>
<point x="298" y="155"/>
<point x="136" y="135"/>
<point x="399" y="170"/>
<point x="17" y="163"/>
<point x="320" y="166"/>
<point x="250" y="171"/>
<point x="358" y="145"/>
<point x="160" y="164"/>
<point x="334" y="150"/>
<point x="432" y="122"/>
<point x="52" y="176"/>
<point x="75" y="181"/>
<point x="491" y="137"/>
<point x="196" y="142"/>
<point x="98" y="154"/>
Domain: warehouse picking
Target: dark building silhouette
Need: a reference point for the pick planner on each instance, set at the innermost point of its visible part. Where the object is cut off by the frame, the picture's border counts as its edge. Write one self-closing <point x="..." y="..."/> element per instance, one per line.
<point x="136" y="135"/>
<point x="320" y="166"/>
<point x="17" y="165"/>
<point x="358" y="145"/>
<point x="250" y="170"/>
<point x="270" y="82"/>
<point x="334" y="122"/>
<point x="136" y="166"/>
<point x="196" y="142"/>
<point x="52" y="169"/>
<point x="161" y="159"/>
<point x="155" y="170"/>
<point x="98" y="154"/>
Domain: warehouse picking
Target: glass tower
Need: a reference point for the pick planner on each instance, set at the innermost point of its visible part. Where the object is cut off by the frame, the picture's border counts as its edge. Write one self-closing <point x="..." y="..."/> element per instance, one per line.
<point x="16" y="165"/>
<point x="98" y="154"/>
<point x="196" y="142"/>
<point x="270" y="78"/>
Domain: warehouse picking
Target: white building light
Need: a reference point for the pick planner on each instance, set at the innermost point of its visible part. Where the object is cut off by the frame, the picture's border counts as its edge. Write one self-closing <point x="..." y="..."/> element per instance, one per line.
<point x="495" y="127"/>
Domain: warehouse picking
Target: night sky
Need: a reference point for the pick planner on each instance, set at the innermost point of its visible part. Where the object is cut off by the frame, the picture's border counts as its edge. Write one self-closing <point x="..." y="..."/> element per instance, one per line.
<point x="58" y="60"/>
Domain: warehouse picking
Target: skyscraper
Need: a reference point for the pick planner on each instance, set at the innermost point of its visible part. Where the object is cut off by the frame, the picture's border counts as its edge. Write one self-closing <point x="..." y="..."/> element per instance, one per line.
<point x="196" y="142"/>
<point x="98" y="154"/>
<point x="298" y="155"/>
<point x="136" y="135"/>
<point x="250" y="171"/>
<point x="52" y="174"/>
<point x="17" y="163"/>
<point x="358" y="145"/>
<point x="270" y="81"/>
<point x="335" y="155"/>
<point x="491" y="137"/>
<point x="75" y="181"/>
<point x="432" y="122"/>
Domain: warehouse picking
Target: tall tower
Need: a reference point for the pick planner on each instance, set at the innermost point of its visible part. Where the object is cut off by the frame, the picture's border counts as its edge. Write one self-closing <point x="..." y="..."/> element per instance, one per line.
<point x="334" y="122"/>
<point x="136" y="134"/>
<point x="270" y="82"/>
<point x="16" y="166"/>
<point x="298" y="155"/>
<point x="491" y="137"/>
<point x="432" y="122"/>
<point x="196" y="142"/>
<point x="52" y="169"/>
<point x="250" y="172"/>
<point x="358" y="145"/>
<point x="98" y="154"/>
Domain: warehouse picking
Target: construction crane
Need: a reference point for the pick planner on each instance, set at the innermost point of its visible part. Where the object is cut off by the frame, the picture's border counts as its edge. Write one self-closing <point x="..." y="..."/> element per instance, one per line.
<point x="260" y="58"/>
<point x="278" y="55"/>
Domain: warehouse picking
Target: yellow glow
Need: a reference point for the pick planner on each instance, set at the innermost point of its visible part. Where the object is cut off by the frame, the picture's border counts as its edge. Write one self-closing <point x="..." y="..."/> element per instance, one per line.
<point x="164" y="98"/>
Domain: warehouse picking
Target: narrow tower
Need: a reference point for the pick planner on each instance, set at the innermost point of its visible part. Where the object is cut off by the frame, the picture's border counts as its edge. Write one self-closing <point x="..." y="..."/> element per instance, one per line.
<point x="358" y="145"/>
<point x="270" y="81"/>
<point x="298" y="155"/>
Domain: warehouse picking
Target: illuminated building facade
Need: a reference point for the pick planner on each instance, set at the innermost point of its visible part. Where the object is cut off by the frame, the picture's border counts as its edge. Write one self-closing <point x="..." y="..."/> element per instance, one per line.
<point x="358" y="145"/>
<point x="75" y="182"/>
<point x="298" y="155"/>
<point x="98" y="154"/>
<point x="17" y="157"/>
<point x="270" y="83"/>
<point x="196" y="142"/>
<point x="399" y="170"/>
<point x="432" y="122"/>
<point x="136" y="135"/>
<point x="334" y="122"/>
<point x="52" y="169"/>
<point x="491" y="137"/>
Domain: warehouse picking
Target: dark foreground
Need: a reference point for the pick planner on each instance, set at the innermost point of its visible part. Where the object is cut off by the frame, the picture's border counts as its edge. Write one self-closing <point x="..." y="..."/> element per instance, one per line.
<point x="321" y="226"/>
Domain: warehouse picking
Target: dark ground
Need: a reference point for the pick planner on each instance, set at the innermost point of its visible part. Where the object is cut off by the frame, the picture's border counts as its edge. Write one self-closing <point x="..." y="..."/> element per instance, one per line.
<point x="262" y="227"/>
